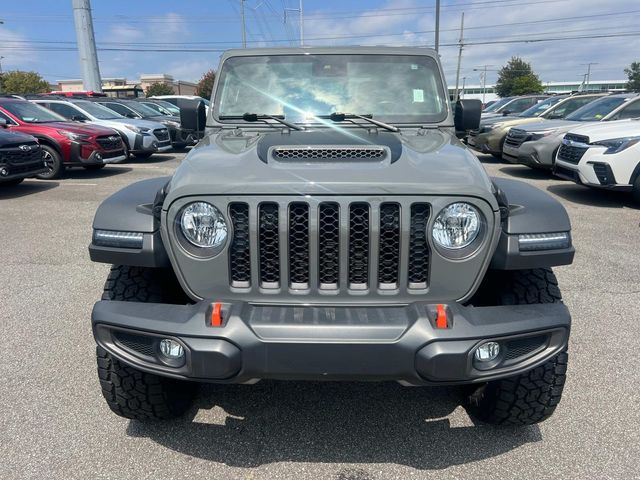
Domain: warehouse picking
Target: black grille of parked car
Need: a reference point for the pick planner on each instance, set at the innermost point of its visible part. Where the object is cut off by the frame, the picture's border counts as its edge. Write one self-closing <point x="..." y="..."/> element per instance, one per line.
<point x="300" y="245"/>
<point x="324" y="153"/>
<point x="516" y="137"/>
<point x="524" y="346"/>
<point x="111" y="142"/>
<point x="571" y="154"/>
<point x="138" y="343"/>
<point x="21" y="154"/>
<point x="162" y="134"/>
<point x="576" y="138"/>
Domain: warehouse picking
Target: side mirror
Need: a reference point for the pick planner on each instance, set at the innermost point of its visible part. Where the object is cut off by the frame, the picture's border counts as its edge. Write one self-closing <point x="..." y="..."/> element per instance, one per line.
<point x="79" y="118"/>
<point x="467" y="116"/>
<point x="506" y="112"/>
<point x="131" y="115"/>
<point x="193" y="114"/>
<point x="3" y="123"/>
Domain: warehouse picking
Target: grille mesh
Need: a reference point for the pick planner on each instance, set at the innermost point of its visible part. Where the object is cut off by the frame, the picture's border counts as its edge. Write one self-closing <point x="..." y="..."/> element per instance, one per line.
<point x="299" y="245"/>
<point x="269" y="245"/>
<point x="138" y="343"/>
<point x="523" y="346"/>
<point x="389" y="254"/>
<point x="111" y="142"/>
<point x="571" y="154"/>
<point x="358" y="245"/>
<point x="14" y="155"/>
<point x="240" y="248"/>
<point x="301" y="153"/>
<point x="516" y="137"/>
<point x="329" y="244"/>
<point x="418" y="246"/>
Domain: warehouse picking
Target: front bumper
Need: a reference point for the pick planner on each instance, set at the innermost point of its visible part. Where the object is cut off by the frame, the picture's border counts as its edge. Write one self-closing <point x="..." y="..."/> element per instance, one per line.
<point x="591" y="171"/>
<point x="334" y="343"/>
<point x="15" y="171"/>
<point x="534" y="153"/>
<point x="487" y="142"/>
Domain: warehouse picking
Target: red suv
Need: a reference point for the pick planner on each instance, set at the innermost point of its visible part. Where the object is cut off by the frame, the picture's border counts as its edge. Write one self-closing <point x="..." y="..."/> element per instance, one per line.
<point x="64" y="143"/>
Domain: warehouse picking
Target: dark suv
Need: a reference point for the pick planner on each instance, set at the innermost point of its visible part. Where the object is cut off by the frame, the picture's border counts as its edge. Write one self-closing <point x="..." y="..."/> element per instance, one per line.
<point x="20" y="157"/>
<point x="64" y="144"/>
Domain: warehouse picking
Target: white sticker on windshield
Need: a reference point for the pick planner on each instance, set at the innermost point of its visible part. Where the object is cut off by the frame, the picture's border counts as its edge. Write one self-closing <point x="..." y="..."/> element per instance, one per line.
<point x="418" y="95"/>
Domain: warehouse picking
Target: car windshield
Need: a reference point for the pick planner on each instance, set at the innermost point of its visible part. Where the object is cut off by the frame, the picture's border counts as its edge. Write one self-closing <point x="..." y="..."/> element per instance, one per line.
<point x="597" y="110"/>
<point x="539" y="108"/>
<point x="98" y="111"/>
<point x="142" y="109"/>
<point x="162" y="107"/>
<point x="31" y="113"/>
<point x="391" y="88"/>
<point x="495" y="106"/>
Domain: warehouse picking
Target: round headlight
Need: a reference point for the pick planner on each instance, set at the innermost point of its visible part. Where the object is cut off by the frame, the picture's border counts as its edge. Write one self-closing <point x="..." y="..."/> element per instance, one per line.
<point x="203" y="225"/>
<point x="456" y="226"/>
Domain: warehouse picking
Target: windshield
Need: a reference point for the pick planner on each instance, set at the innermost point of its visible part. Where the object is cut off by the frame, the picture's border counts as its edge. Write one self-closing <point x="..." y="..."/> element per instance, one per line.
<point x="142" y="109"/>
<point x="494" y="106"/>
<point x="31" y="113"/>
<point x="391" y="88"/>
<point x="98" y="111"/>
<point x="539" y="108"/>
<point x="162" y="107"/>
<point x="597" y="110"/>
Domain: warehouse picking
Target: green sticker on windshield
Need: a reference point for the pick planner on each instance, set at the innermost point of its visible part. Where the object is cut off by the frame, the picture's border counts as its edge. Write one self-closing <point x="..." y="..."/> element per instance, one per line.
<point x="418" y="95"/>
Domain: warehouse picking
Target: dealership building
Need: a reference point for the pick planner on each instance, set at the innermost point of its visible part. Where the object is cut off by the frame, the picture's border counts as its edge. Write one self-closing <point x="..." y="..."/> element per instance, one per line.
<point x="123" y="88"/>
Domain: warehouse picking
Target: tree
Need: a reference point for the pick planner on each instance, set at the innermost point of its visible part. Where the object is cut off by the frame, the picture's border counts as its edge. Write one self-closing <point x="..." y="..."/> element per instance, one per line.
<point x="159" y="89"/>
<point x="517" y="78"/>
<point x="633" y="72"/>
<point x="205" y="85"/>
<point x="21" y="83"/>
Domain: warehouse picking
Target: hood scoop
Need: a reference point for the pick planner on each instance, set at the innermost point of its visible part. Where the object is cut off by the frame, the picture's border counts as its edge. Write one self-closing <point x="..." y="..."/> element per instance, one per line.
<point x="320" y="148"/>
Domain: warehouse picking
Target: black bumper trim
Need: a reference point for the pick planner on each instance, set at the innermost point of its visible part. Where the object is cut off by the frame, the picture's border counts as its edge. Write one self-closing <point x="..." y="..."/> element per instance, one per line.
<point x="343" y="343"/>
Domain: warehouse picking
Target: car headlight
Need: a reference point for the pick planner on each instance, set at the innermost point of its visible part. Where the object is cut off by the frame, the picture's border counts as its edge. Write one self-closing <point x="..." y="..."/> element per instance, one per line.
<point x="172" y="124"/>
<point x="203" y="226"/>
<point x="456" y="226"/>
<point x="541" y="134"/>
<point x="74" y="136"/>
<point x="136" y="129"/>
<point x="617" y="145"/>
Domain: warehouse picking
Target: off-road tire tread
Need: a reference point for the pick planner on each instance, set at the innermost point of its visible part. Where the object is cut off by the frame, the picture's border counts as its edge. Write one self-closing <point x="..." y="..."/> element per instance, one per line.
<point x="141" y="284"/>
<point x="530" y="397"/>
<point x="142" y="396"/>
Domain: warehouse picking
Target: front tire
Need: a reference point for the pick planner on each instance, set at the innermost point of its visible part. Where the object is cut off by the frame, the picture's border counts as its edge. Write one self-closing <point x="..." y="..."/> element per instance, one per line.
<point x="53" y="161"/>
<point x="635" y="193"/>
<point x="530" y="397"/>
<point x="129" y="392"/>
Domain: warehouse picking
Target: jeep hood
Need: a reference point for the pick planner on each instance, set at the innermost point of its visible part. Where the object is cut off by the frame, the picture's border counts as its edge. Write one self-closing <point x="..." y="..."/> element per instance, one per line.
<point x="421" y="162"/>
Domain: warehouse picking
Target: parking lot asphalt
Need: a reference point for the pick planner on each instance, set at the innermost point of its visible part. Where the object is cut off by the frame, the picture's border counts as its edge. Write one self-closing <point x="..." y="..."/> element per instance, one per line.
<point x="55" y="424"/>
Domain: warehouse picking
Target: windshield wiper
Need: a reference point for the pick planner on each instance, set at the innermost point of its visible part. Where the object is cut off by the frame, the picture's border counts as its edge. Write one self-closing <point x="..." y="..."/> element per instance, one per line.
<point x="255" y="117"/>
<point x="341" y="117"/>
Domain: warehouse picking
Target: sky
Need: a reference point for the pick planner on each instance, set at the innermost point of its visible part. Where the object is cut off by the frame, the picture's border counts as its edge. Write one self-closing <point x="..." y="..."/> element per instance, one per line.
<point x="184" y="38"/>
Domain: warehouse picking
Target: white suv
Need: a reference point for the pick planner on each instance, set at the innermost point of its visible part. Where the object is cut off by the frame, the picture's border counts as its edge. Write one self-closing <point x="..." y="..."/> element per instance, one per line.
<point x="602" y="155"/>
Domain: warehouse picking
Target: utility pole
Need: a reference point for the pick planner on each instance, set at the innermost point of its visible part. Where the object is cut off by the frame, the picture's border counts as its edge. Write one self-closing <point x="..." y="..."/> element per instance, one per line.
<point x="244" y="26"/>
<point x="300" y="11"/>
<point x="437" y="39"/>
<point x="464" y="81"/>
<point x="588" y="74"/>
<point x="86" y="45"/>
<point x="461" y="44"/>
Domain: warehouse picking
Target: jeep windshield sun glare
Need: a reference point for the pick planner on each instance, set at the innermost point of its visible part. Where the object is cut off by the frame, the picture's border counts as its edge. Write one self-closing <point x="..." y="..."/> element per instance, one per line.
<point x="331" y="226"/>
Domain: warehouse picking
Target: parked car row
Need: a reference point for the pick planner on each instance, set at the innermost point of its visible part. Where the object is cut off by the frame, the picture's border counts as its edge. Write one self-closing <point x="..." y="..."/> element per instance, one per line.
<point x="87" y="131"/>
<point x="564" y="134"/>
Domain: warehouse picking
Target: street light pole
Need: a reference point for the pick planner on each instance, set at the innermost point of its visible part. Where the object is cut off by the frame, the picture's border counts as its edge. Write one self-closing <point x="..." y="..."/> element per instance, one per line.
<point x="244" y="27"/>
<point x="437" y="39"/>
<point x="461" y="43"/>
<point x="86" y="45"/>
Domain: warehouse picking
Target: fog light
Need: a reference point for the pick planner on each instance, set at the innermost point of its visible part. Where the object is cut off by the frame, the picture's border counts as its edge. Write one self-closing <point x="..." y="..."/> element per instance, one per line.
<point x="171" y="349"/>
<point x="98" y="156"/>
<point x="4" y="172"/>
<point x="487" y="351"/>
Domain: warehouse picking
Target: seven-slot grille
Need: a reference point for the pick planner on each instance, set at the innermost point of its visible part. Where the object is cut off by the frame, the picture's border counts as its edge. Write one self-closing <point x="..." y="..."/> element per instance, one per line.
<point x="516" y="137"/>
<point x="111" y="142"/>
<point x="329" y="246"/>
<point x="573" y="153"/>
<point x="18" y="156"/>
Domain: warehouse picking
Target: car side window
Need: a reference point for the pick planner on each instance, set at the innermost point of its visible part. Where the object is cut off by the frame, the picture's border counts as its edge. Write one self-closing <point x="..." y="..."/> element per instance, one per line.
<point x="632" y="110"/>
<point x="67" y="111"/>
<point x="570" y="106"/>
<point x="121" y="109"/>
<point x="7" y="119"/>
<point x="520" y="105"/>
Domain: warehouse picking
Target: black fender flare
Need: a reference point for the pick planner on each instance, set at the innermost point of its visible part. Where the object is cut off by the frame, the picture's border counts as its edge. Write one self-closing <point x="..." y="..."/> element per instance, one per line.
<point x="530" y="210"/>
<point x="132" y="209"/>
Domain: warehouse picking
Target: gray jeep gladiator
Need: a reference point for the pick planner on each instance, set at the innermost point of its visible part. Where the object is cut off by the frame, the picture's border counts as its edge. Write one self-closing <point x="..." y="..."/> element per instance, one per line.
<point x="331" y="226"/>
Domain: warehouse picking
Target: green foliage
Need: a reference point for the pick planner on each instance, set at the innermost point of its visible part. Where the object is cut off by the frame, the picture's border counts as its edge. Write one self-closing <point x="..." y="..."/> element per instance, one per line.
<point x="21" y="83"/>
<point x="205" y="85"/>
<point x="517" y="78"/>
<point x="633" y="72"/>
<point x="159" y="89"/>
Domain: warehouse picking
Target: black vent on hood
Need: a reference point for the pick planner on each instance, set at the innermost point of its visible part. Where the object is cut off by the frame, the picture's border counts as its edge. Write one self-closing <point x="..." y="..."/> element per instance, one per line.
<point x="330" y="144"/>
